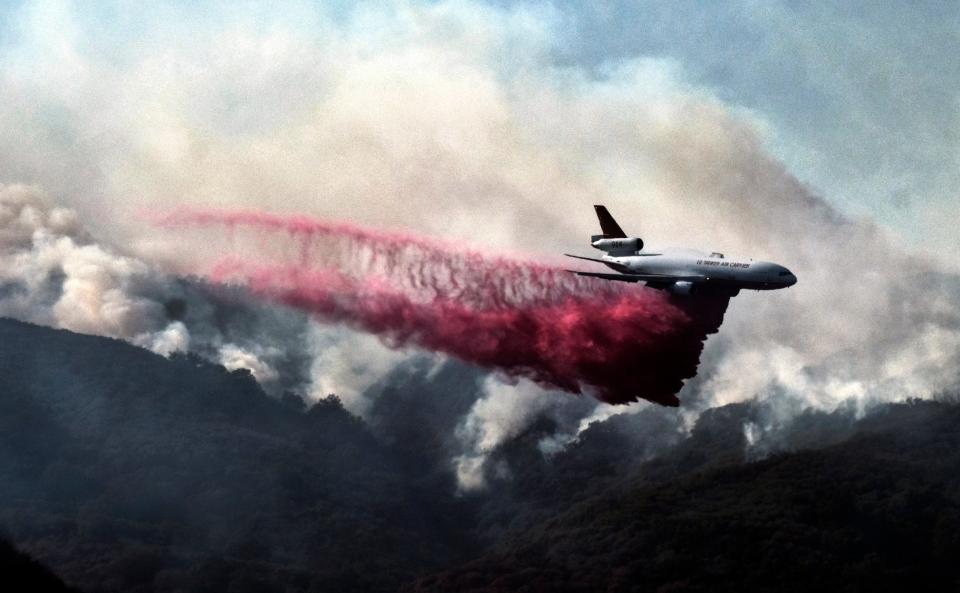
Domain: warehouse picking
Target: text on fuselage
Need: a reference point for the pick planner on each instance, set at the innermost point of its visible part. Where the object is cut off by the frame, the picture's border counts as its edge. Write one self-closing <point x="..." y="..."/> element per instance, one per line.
<point x="722" y="264"/>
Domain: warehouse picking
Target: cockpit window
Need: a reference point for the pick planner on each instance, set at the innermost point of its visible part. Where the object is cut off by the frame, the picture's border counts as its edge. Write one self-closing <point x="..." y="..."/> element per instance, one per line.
<point x="784" y="273"/>
<point x="716" y="255"/>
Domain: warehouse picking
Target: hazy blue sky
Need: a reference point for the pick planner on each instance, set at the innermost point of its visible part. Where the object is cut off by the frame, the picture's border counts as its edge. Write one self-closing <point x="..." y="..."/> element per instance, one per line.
<point x="859" y="99"/>
<point x="863" y="98"/>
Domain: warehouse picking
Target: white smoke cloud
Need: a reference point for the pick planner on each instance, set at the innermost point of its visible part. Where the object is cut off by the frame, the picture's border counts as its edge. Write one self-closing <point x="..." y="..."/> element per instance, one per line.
<point x="233" y="357"/>
<point x="505" y="410"/>
<point x="55" y="275"/>
<point x="560" y="440"/>
<point x="348" y="364"/>
<point x="500" y="414"/>
<point x="52" y="272"/>
<point x="174" y="338"/>
<point x="451" y="118"/>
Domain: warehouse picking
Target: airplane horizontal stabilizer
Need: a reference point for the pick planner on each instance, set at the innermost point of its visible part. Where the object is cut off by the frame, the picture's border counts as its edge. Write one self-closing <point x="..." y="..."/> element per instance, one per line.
<point x="596" y="259"/>
<point x="612" y="264"/>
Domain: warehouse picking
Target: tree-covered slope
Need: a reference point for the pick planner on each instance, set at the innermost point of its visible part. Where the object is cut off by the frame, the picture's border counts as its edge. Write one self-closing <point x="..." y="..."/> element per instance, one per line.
<point x="123" y="470"/>
<point x="879" y="512"/>
<point x="20" y="572"/>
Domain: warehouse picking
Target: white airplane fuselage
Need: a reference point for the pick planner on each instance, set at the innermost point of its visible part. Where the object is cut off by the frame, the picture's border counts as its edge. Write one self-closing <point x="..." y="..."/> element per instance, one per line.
<point x="716" y="269"/>
<point x="679" y="270"/>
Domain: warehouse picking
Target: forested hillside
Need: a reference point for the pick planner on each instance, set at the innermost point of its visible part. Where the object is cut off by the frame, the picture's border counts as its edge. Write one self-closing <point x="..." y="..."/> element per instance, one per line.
<point x="125" y="471"/>
<point x="878" y="512"/>
<point x="22" y="573"/>
<point x="121" y="470"/>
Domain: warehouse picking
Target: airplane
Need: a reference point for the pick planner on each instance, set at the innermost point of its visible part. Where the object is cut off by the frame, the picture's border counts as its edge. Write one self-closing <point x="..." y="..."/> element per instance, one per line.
<point x="678" y="271"/>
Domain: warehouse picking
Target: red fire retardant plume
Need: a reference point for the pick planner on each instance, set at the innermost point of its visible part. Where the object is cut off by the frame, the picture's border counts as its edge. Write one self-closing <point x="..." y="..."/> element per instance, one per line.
<point x="618" y="342"/>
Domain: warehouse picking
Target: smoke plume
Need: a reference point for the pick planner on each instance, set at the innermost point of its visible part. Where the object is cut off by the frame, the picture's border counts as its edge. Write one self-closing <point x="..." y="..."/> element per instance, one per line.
<point x="466" y="120"/>
<point x="526" y="319"/>
<point x="54" y="272"/>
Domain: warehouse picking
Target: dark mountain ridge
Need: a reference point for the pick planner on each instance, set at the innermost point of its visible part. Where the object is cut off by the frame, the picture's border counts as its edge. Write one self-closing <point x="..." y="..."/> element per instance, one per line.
<point x="877" y="512"/>
<point x="122" y="470"/>
<point x="22" y="573"/>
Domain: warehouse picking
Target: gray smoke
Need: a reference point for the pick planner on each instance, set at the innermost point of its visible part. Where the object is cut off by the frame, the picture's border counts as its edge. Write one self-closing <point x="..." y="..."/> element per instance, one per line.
<point x="53" y="272"/>
<point x="448" y="118"/>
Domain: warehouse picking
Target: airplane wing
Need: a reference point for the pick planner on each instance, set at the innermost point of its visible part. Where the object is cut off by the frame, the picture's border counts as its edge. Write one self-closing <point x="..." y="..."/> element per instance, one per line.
<point x="627" y="276"/>
<point x="641" y="277"/>
<point x="601" y="275"/>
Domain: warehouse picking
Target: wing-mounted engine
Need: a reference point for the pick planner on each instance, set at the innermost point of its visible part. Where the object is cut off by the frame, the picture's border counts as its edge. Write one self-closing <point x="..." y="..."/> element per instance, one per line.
<point x="685" y="288"/>
<point x="682" y="287"/>
<point x="617" y="245"/>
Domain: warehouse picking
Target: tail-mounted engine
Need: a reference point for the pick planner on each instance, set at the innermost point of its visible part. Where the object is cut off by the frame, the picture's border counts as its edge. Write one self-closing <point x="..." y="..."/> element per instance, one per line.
<point x="617" y="246"/>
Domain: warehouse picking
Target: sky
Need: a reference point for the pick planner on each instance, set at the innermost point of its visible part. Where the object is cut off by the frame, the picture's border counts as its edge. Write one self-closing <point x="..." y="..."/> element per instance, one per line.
<point x="823" y="136"/>
<point x="859" y="100"/>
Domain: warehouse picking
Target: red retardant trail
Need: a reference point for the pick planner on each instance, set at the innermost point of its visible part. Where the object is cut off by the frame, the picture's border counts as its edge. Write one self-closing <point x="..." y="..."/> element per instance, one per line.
<point x="524" y="319"/>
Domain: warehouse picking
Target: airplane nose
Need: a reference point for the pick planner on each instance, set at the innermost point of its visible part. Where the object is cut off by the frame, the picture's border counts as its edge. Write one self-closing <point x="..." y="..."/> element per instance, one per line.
<point x="792" y="280"/>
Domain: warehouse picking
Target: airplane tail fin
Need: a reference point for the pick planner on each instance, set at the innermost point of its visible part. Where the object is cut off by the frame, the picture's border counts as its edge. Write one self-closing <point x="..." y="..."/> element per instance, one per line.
<point x="608" y="225"/>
